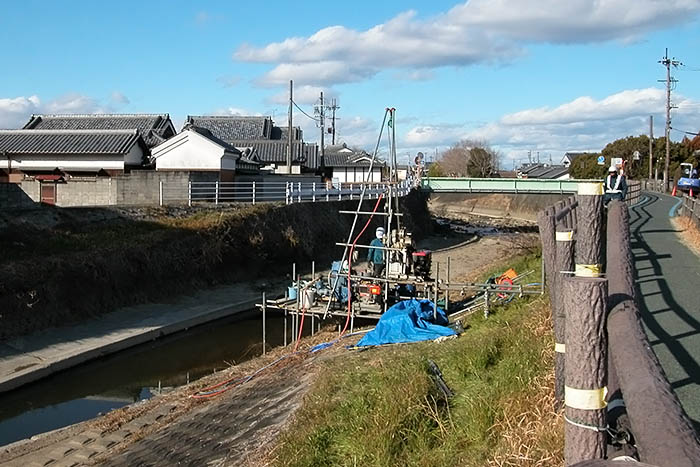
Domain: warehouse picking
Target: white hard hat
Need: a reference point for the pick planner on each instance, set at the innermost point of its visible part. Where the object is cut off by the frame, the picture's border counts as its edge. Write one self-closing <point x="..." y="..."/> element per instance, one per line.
<point x="380" y="232"/>
<point x="612" y="168"/>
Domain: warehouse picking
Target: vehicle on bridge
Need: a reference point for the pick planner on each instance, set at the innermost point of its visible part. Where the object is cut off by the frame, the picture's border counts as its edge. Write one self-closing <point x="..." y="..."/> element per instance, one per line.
<point x="689" y="181"/>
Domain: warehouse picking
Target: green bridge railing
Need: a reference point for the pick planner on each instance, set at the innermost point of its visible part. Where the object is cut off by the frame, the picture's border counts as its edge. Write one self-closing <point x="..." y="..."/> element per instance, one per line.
<point x="500" y="185"/>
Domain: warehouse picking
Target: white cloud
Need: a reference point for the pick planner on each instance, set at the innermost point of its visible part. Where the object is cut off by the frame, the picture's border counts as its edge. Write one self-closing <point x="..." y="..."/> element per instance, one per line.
<point x="303" y="95"/>
<point x="15" y="112"/>
<point x="478" y="31"/>
<point x="119" y="98"/>
<point x="583" y="124"/>
<point x="236" y="111"/>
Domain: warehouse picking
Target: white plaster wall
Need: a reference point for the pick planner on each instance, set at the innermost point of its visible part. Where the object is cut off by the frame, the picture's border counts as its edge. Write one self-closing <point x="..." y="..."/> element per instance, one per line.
<point x="191" y="151"/>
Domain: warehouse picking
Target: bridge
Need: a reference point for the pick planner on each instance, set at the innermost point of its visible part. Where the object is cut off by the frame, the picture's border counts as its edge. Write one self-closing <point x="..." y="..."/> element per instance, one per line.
<point x="500" y="185"/>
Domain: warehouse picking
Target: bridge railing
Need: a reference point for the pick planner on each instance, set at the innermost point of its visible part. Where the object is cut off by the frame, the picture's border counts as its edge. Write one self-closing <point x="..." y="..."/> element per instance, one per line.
<point x="500" y="185"/>
<point x="615" y="395"/>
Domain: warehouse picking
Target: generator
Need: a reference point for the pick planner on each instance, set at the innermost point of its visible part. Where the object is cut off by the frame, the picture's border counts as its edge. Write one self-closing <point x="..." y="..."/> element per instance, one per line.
<point x="422" y="262"/>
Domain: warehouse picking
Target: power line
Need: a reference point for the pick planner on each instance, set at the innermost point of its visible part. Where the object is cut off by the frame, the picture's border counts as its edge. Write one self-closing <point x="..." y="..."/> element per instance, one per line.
<point x="686" y="132"/>
<point x="302" y="111"/>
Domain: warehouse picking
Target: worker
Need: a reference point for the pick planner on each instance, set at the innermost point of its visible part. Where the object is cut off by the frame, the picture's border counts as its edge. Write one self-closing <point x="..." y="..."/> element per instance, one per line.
<point x="615" y="186"/>
<point x="375" y="256"/>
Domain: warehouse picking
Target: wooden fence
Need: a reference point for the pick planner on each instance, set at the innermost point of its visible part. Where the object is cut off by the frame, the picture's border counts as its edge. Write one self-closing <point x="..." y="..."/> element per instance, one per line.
<point x="616" y="399"/>
<point x="690" y="208"/>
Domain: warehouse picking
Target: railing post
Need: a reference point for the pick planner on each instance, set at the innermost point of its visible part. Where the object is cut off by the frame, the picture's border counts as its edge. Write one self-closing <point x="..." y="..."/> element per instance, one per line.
<point x="327" y="198"/>
<point x="340" y="192"/>
<point x="216" y="193"/>
<point x="299" y="192"/>
<point x="160" y="192"/>
<point x="287" y="194"/>
<point x="589" y="234"/>
<point x="313" y="192"/>
<point x="264" y="305"/>
<point x="189" y="193"/>
<point x="586" y="369"/>
<point x="254" y="189"/>
<point x="563" y="266"/>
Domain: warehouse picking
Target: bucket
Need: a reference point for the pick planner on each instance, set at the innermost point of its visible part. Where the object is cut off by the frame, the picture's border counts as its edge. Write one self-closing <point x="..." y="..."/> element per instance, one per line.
<point x="308" y="298"/>
<point x="292" y="293"/>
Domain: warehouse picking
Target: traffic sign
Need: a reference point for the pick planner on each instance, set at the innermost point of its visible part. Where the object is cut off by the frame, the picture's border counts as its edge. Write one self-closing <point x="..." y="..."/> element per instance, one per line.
<point x="601" y="160"/>
<point x="636" y="156"/>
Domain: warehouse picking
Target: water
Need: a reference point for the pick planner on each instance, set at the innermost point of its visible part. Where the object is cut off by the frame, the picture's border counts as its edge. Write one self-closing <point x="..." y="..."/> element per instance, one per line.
<point x="85" y="391"/>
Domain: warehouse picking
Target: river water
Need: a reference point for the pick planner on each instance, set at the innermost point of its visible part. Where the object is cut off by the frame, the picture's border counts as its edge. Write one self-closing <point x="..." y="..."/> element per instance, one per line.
<point x="96" y="387"/>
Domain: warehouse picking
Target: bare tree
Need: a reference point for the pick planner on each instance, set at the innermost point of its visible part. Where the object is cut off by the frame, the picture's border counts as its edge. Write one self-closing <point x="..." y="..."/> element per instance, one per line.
<point x="470" y="158"/>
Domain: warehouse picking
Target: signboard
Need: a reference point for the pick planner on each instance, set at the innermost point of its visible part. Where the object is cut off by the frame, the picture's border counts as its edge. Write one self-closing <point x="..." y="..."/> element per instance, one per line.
<point x="636" y="156"/>
<point x="616" y="161"/>
<point x="601" y="160"/>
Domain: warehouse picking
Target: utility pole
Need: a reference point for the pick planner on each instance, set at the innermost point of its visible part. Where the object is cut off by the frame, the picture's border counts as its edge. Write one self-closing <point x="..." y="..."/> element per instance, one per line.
<point x="665" y="61"/>
<point x="289" y="133"/>
<point x="321" y="110"/>
<point x="651" y="143"/>
<point x="333" y="107"/>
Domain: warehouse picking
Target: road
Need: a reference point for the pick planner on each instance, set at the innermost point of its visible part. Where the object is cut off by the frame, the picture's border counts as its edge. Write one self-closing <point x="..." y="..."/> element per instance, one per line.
<point x="668" y="281"/>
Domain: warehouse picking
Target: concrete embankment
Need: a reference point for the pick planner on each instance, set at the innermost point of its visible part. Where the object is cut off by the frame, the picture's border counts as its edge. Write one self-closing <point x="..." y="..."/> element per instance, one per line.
<point x="519" y="206"/>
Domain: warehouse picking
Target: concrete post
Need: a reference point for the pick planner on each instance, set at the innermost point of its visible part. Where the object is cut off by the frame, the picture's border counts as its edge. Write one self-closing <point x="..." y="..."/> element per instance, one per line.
<point x="160" y="192"/>
<point x="189" y="193"/>
<point x="327" y="198"/>
<point x="254" y="189"/>
<point x="299" y="191"/>
<point x="216" y="193"/>
<point x="564" y="264"/>
<point x="586" y="368"/>
<point x="313" y="192"/>
<point x="287" y="195"/>
<point x="589" y="235"/>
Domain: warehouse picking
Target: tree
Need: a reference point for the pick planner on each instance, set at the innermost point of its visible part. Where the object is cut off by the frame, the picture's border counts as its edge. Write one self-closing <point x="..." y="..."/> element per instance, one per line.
<point x="435" y="170"/>
<point x="586" y="166"/>
<point x="469" y="158"/>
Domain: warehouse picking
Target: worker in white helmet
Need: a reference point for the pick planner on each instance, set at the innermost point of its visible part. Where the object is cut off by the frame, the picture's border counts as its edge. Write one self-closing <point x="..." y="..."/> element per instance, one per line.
<point x="615" y="186"/>
<point x="375" y="256"/>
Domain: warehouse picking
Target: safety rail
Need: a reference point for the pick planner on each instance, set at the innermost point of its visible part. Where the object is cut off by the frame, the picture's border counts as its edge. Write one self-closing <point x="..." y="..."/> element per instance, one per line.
<point x="616" y="398"/>
<point x="690" y="208"/>
<point x="260" y="192"/>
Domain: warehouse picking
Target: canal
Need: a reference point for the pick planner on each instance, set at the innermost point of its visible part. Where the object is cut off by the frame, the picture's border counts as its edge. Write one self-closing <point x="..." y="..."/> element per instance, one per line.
<point x="96" y="387"/>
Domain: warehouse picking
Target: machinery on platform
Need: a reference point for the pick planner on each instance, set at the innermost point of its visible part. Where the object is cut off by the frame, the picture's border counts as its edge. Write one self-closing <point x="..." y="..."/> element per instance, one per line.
<point x="689" y="181"/>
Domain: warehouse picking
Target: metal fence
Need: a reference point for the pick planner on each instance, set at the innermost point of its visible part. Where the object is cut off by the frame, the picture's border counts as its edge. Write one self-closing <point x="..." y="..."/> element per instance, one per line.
<point x="260" y="192"/>
<point x="616" y="398"/>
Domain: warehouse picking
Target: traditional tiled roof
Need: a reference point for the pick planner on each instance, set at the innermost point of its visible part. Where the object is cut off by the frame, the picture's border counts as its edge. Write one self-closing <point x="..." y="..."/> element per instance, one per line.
<point x="154" y="128"/>
<point x="208" y="134"/>
<point x="343" y="158"/>
<point x="115" y="142"/>
<point x="283" y="133"/>
<point x="232" y="128"/>
<point x="272" y="151"/>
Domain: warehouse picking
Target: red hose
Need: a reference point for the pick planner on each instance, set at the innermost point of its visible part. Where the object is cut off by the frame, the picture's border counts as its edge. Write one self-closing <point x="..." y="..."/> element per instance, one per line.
<point x="352" y="248"/>
<point x="301" y="323"/>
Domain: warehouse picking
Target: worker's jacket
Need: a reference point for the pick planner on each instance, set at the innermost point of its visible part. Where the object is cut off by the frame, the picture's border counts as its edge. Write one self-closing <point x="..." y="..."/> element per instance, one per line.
<point x="616" y="186"/>
<point x="375" y="255"/>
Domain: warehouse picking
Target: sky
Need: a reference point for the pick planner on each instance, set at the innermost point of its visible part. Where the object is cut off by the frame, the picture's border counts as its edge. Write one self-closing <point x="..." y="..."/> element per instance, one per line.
<point x="539" y="77"/>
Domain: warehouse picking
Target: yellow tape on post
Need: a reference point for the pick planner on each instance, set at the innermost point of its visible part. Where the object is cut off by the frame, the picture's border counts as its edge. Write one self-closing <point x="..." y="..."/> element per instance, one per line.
<point x="585" y="399"/>
<point x="567" y="236"/>
<point x="559" y="348"/>
<point x="587" y="270"/>
<point x="591" y="189"/>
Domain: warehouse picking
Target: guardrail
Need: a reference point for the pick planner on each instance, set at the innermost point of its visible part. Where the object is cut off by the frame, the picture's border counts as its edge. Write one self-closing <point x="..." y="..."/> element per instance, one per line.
<point x="260" y="192"/>
<point x="500" y="185"/>
<point x="616" y="398"/>
<point x="690" y="208"/>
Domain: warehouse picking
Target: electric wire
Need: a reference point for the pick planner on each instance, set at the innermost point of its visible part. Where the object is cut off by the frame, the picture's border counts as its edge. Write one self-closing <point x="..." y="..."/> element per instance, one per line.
<point x="302" y="111"/>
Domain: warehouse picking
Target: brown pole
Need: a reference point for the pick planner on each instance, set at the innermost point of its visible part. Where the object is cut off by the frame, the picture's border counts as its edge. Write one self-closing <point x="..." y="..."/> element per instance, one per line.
<point x="589" y="234"/>
<point x="586" y="368"/>
<point x="564" y="264"/>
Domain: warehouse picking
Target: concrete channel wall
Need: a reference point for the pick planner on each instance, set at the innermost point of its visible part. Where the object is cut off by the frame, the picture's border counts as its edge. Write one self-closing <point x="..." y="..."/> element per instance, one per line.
<point x="520" y="206"/>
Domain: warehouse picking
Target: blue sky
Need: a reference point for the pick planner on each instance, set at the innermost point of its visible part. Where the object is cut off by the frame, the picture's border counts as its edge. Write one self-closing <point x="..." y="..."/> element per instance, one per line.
<point x="522" y="75"/>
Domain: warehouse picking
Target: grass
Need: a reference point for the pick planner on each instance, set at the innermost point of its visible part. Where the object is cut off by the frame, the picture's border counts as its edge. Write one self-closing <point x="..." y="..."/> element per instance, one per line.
<point x="379" y="407"/>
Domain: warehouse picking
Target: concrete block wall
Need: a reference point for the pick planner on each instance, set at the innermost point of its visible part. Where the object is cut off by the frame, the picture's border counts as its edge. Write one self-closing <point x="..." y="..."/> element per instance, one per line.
<point x="87" y="192"/>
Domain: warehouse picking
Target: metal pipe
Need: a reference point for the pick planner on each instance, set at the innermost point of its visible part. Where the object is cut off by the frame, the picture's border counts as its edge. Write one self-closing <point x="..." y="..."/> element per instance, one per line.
<point x="447" y="290"/>
<point x="263" y="322"/>
<point x="285" y="327"/>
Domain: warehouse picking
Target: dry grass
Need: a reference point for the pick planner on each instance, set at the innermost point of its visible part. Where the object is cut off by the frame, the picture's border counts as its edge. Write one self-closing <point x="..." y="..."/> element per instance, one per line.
<point x="688" y="232"/>
<point x="531" y="432"/>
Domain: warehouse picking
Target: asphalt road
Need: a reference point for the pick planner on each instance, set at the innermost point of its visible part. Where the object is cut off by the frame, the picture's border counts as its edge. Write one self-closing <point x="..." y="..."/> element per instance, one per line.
<point x="668" y="281"/>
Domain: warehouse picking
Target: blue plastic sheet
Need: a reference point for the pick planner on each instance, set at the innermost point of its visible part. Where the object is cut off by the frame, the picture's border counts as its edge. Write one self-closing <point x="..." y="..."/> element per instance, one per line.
<point x="408" y="321"/>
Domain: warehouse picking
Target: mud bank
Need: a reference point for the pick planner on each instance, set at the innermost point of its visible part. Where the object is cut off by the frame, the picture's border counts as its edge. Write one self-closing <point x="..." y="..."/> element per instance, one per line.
<point x="62" y="266"/>
<point x="520" y="206"/>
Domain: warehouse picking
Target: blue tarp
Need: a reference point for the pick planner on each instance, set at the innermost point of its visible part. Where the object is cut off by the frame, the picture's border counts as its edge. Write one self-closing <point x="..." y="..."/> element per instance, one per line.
<point x="408" y="321"/>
